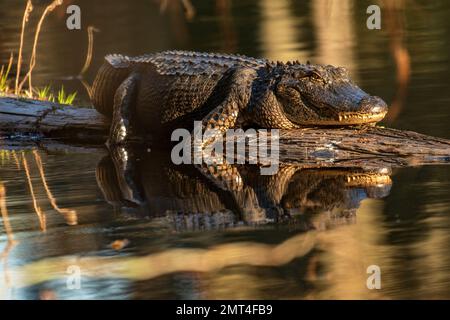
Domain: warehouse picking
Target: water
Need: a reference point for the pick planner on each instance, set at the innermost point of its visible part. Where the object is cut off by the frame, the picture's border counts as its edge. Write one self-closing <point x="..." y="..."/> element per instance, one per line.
<point x="195" y="241"/>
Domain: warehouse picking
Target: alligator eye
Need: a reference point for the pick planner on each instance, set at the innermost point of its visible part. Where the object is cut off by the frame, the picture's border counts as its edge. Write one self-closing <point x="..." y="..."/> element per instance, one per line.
<point x="315" y="76"/>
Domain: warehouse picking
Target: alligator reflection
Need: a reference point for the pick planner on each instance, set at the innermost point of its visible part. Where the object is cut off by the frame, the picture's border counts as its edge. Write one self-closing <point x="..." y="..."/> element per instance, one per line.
<point x="142" y="182"/>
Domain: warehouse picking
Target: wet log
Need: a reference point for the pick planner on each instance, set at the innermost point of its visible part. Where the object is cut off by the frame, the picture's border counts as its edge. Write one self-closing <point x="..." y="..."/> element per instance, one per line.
<point x="31" y="120"/>
<point x="362" y="147"/>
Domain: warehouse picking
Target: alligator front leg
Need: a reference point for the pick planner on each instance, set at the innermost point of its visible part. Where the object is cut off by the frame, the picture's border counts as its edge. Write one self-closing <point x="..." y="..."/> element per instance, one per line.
<point x="123" y="126"/>
<point x="237" y="84"/>
<point x="270" y="189"/>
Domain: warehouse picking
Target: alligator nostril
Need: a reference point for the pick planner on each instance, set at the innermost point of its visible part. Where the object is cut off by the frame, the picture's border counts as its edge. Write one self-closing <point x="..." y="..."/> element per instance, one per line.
<point x="373" y="104"/>
<point x="378" y="109"/>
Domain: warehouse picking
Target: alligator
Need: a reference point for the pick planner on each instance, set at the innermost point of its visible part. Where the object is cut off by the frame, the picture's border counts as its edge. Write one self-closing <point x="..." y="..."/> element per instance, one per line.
<point x="155" y="93"/>
<point x="155" y="187"/>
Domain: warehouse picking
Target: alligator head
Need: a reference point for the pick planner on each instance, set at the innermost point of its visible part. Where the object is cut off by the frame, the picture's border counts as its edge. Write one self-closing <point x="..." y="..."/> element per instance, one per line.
<point x="316" y="190"/>
<point x="324" y="95"/>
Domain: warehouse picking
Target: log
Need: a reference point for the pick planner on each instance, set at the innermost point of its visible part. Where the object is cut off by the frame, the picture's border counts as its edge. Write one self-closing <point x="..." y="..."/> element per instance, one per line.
<point x="32" y="120"/>
<point x="19" y="116"/>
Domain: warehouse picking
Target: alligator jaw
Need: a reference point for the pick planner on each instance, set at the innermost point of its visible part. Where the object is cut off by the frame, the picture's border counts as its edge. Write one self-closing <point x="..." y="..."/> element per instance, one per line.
<point x="362" y="178"/>
<point x="347" y="119"/>
<point x="366" y="180"/>
<point x="352" y="118"/>
<point x="357" y="177"/>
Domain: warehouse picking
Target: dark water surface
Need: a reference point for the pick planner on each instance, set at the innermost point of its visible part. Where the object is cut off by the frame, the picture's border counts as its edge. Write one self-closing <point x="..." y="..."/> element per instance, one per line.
<point x="65" y="213"/>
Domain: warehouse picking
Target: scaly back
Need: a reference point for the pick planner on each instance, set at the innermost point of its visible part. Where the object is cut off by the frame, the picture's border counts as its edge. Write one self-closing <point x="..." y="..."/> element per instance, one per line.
<point x="186" y="62"/>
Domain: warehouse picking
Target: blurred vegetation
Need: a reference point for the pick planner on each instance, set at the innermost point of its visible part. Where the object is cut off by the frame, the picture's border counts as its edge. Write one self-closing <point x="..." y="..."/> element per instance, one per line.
<point x="42" y="93"/>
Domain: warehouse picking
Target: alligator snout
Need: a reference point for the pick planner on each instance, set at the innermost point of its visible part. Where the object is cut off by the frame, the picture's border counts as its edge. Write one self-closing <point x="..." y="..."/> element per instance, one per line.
<point x="373" y="105"/>
<point x="369" y="109"/>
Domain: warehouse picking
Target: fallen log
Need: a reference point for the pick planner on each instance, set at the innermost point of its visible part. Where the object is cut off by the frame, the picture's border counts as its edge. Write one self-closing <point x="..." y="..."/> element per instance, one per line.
<point x="19" y="116"/>
<point x="22" y="119"/>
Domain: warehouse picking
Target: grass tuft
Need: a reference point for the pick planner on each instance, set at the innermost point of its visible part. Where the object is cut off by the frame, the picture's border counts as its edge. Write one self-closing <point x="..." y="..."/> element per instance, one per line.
<point x="45" y="94"/>
<point x="4" y="74"/>
<point x="64" y="98"/>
